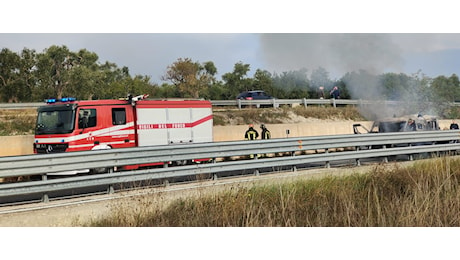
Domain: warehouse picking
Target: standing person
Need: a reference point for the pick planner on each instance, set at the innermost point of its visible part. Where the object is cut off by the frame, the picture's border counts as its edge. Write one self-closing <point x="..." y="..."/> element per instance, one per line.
<point x="264" y="135"/>
<point x="411" y="125"/>
<point x="251" y="133"/>
<point x="335" y="93"/>
<point x="265" y="132"/>
<point x="454" y="126"/>
<point x="321" y="92"/>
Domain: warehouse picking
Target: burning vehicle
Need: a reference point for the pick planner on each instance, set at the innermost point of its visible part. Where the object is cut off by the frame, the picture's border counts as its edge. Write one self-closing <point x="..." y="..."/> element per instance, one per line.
<point x="416" y="122"/>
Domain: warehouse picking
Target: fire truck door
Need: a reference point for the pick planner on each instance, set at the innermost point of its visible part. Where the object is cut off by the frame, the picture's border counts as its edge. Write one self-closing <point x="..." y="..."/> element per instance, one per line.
<point x="88" y="126"/>
<point x="122" y="127"/>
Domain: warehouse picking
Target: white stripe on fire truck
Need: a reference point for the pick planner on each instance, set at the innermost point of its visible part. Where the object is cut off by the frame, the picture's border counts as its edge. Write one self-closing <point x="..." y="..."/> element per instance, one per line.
<point x="102" y="132"/>
<point x="91" y="145"/>
<point x="120" y="132"/>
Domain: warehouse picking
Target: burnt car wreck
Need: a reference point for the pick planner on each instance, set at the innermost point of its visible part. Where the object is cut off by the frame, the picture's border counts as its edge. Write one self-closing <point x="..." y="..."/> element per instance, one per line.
<point x="417" y="122"/>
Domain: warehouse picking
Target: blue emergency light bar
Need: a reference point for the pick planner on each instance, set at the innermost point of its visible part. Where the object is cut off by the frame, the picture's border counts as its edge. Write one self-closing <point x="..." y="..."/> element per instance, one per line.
<point x="54" y="100"/>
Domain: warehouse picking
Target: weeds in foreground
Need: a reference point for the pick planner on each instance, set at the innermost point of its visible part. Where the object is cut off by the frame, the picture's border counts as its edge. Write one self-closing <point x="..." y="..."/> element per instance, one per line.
<point x="426" y="194"/>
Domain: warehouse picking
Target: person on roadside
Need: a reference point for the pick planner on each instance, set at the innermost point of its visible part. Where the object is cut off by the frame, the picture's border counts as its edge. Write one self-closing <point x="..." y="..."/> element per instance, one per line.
<point x="251" y="133"/>
<point x="453" y="125"/>
<point x="411" y="125"/>
<point x="321" y="92"/>
<point x="265" y="132"/>
<point x="335" y="93"/>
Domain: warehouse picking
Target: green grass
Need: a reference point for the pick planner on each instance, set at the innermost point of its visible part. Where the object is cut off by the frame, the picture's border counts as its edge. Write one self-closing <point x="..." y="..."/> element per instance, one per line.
<point x="426" y="194"/>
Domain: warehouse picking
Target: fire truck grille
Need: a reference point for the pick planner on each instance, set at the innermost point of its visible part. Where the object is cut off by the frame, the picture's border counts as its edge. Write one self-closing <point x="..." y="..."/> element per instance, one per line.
<point x="51" y="148"/>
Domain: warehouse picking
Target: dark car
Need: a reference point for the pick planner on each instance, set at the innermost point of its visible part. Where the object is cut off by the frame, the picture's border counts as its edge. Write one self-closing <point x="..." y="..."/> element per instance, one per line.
<point x="254" y="94"/>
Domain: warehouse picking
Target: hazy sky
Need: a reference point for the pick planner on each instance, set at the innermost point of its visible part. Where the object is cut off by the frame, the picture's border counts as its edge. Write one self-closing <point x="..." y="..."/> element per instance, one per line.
<point x="285" y="36"/>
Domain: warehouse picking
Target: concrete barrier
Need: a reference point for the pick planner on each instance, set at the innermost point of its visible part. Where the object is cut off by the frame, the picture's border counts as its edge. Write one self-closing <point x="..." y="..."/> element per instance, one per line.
<point x="234" y="133"/>
<point x="16" y="145"/>
<point x="23" y="144"/>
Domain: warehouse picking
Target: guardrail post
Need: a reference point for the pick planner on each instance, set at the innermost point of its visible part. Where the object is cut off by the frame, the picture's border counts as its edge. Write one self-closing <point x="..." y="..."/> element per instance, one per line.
<point x="239" y="103"/>
<point x="110" y="190"/>
<point x="45" y="197"/>
<point x="385" y="159"/>
<point x="304" y="102"/>
<point x="333" y="102"/>
<point x="411" y="157"/>
<point x="256" y="172"/>
<point x="358" y="162"/>
<point x="328" y="164"/>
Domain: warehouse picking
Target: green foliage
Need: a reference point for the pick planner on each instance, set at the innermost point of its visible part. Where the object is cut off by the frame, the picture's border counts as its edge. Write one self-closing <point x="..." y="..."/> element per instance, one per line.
<point x="191" y="78"/>
<point x="236" y="81"/>
<point x="29" y="76"/>
<point x="292" y="84"/>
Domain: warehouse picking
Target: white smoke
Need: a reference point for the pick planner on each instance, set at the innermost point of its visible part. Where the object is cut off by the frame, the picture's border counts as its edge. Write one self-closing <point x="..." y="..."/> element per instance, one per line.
<point x="337" y="53"/>
<point x="357" y="59"/>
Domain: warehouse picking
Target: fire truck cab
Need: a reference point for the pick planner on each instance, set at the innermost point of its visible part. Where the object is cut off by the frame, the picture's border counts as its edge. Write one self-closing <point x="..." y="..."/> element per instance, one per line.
<point x="68" y="125"/>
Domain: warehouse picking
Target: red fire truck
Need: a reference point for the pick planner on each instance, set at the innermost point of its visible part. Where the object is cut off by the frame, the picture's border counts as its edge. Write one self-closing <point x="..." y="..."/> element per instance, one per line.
<point x="68" y="125"/>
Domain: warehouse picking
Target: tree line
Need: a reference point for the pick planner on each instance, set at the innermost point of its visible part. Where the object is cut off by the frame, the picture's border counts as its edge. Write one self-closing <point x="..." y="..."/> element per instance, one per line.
<point x="31" y="76"/>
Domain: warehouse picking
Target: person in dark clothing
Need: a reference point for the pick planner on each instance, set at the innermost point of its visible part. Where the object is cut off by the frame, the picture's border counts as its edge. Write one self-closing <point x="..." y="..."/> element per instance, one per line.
<point x="265" y="132"/>
<point x="411" y="125"/>
<point x="454" y="126"/>
<point x="251" y="133"/>
<point x="335" y="93"/>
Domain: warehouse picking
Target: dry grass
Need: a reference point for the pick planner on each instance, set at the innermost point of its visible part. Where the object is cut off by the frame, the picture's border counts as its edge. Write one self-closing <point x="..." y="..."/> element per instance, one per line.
<point x="424" y="195"/>
<point x="283" y="114"/>
<point x="327" y="112"/>
<point x="17" y="121"/>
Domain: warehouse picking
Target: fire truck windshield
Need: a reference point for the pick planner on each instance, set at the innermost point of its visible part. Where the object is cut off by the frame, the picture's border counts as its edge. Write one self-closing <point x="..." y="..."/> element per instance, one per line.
<point x="55" y="120"/>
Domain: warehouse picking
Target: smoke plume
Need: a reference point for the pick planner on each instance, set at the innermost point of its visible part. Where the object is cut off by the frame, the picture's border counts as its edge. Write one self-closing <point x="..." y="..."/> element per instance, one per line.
<point x="359" y="56"/>
<point x="337" y="53"/>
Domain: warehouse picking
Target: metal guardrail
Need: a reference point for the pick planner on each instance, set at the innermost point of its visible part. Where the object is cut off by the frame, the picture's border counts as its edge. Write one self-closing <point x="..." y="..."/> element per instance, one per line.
<point x="46" y="163"/>
<point x="304" y="102"/>
<point x="21" y="105"/>
<point x="255" y="103"/>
